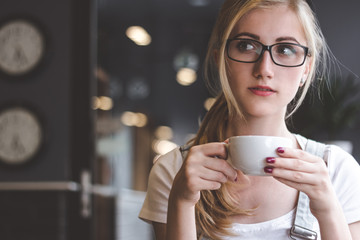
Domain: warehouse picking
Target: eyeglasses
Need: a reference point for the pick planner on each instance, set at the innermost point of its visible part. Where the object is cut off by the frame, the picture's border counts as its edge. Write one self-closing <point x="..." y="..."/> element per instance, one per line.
<point x="282" y="54"/>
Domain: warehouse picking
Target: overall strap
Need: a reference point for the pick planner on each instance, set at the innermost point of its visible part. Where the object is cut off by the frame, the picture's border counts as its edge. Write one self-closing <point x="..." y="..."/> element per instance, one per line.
<point x="304" y="220"/>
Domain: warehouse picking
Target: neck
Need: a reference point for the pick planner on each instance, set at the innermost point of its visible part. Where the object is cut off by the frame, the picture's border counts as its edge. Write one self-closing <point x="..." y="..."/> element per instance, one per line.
<point x="266" y="126"/>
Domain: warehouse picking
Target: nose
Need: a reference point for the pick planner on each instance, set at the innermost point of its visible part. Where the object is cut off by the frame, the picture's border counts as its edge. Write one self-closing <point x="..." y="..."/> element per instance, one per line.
<point x="263" y="68"/>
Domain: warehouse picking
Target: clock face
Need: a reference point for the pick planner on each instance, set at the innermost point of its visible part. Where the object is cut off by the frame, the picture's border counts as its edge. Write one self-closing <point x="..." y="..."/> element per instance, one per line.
<point x="20" y="135"/>
<point x="21" y="47"/>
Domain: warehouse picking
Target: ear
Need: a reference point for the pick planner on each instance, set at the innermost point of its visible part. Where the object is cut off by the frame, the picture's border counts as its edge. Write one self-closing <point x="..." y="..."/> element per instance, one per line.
<point x="307" y="69"/>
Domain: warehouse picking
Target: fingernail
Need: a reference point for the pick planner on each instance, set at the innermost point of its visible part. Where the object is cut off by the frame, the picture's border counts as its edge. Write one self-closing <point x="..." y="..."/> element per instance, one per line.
<point x="268" y="169"/>
<point x="270" y="160"/>
<point x="236" y="179"/>
<point x="280" y="150"/>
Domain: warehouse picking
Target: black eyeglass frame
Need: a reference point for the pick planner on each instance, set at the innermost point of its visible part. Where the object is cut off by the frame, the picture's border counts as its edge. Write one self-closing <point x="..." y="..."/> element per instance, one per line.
<point x="268" y="48"/>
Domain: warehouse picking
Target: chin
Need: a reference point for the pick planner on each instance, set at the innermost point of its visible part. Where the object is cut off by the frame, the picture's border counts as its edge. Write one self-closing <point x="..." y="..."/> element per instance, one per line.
<point x="263" y="112"/>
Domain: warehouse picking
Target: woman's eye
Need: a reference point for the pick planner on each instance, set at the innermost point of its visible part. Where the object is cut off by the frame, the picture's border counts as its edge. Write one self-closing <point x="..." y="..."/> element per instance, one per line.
<point x="244" y="46"/>
<point x="286" y="50"/>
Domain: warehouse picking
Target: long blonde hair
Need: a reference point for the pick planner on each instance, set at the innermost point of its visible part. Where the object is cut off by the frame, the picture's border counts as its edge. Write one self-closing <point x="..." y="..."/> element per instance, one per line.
<point x="215" y="207"/>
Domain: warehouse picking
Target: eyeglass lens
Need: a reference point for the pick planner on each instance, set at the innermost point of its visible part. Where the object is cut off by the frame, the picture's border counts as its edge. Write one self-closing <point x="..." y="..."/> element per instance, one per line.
<point x="247" y="50"/>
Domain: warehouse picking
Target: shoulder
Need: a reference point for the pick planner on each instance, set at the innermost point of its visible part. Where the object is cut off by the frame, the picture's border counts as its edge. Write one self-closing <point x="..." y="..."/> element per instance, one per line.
<point x="339" y="161"/>
<point x="160" y="182"/>
<point x="344" y="172"/>
<point x="164" y="170"/>
<point x="168" y="164"/>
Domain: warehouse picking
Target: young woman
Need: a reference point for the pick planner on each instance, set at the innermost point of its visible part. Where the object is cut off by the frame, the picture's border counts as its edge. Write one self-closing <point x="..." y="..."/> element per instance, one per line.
<point x="263" y="56"/>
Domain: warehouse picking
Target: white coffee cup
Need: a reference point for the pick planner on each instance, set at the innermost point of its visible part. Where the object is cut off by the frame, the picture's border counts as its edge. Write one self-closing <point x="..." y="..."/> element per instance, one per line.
<point x="249" y="153"/>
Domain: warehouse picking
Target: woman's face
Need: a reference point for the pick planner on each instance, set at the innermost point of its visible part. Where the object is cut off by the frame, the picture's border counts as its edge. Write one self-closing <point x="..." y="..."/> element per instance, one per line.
<point x="264" y="88"/>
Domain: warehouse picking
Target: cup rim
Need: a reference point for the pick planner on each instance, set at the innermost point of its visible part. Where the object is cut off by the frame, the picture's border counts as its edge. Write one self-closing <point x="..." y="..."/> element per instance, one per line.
<point x="257" y="136"/>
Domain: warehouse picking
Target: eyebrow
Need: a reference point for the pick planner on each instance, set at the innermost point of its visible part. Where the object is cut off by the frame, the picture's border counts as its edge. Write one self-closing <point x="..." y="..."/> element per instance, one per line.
<point x="281" y="39"/>
<point x="256" y="37"/>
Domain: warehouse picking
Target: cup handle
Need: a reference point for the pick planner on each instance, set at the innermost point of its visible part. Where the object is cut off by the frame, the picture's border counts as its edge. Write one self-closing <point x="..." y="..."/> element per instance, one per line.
<point x="226" y="143"/>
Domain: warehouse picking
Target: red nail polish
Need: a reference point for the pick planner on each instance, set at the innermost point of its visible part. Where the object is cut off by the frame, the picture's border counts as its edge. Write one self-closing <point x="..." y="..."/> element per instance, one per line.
<point x="270" y="160"/>
<point x="280" y="150"/>
<point x="236" y="179"/>
<point x="268" y="169"/>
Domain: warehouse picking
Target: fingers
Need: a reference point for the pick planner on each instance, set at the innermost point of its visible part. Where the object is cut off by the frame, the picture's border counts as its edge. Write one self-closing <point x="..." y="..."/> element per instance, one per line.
<point x="222" y="166"/>
<point x="294" y="160"/>
<point x="196" y="183"/>
<point x="293" y="164"/>
<point x="211" y="150"/>
<point x="211" y="156"/>
<point x="203" y="169"/>
<point x="298" y="169"/>
<point x="207" y="163"/>
<point x="211" y="175"/>
<point x="297" y="153"/>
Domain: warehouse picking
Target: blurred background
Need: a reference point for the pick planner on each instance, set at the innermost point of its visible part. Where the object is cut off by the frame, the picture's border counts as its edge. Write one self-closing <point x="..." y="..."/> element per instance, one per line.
<point x="92" y="92"/>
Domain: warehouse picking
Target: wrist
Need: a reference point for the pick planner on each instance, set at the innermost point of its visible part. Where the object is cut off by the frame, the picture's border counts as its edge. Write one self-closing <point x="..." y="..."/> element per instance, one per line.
<point x="325" y="204"/>
<point x="334" y="225"/>
<point x="177" y="201"/>
<point x="182" y="197"/>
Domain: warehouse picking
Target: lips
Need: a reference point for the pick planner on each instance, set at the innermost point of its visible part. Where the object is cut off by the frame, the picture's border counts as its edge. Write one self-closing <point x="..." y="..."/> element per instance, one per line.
<point x="262" y="90"/>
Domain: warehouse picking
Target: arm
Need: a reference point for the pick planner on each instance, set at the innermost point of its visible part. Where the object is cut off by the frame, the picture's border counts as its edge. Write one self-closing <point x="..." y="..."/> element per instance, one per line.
<point x="181" y="220"/>
<point x="332" y="221"/>
<point x="355" y="230"/>
<point x="160" y="230"/>
<point x="309" y="174"/>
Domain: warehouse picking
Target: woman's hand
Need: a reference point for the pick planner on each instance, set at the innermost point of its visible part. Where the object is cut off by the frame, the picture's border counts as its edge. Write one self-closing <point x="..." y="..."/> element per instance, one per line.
<point x="204" y="168"/>
<point x="304" y="172"/>
<point x="309" y="174"/>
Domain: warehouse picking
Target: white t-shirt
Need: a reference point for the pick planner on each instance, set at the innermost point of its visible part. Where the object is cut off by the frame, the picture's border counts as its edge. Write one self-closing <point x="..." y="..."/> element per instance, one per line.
<point x="344" y="173"/>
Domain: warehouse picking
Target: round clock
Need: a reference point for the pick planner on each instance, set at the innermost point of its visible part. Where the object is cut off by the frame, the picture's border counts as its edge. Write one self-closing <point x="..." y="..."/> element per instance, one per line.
<point x="22" y="46"/>
<point x="20" y="135"/>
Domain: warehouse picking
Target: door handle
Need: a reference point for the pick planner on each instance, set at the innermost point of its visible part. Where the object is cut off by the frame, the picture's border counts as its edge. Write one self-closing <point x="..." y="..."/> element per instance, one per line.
<point x="85" y="187"/>
<point x="40" y="186"/>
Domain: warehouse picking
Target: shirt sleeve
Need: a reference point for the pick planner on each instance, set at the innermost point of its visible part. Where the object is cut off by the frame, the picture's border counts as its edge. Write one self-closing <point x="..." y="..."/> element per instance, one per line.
<point x="344" y="172"/>
<point x="161" y="177"/>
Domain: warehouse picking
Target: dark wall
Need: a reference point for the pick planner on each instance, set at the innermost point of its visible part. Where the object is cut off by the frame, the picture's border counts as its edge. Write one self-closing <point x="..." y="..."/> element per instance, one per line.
<point x="59" y="92"/>
<point x="340" y="22"/>
<point x="46" y="90"/>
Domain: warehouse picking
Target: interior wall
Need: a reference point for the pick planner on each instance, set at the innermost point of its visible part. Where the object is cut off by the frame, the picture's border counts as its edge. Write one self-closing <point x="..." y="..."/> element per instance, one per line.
<point x="340" y="24"/>
<point x="340" y="21"/>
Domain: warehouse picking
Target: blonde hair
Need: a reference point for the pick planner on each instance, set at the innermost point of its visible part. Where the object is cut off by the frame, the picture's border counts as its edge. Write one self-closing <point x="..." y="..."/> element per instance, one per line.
<point x="215" y="207"/>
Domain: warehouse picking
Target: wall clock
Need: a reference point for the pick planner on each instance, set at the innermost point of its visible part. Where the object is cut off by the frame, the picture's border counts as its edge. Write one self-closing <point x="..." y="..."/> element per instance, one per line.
<point x="22" y="46"/>
<point x="21" y="135"/>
